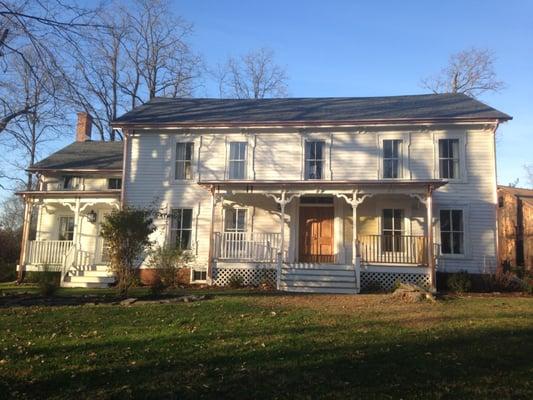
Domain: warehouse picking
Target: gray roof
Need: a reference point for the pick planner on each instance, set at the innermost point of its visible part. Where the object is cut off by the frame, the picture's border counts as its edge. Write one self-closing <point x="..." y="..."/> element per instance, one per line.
<point x="90" y="155"/>
<point x="293" y="110"/>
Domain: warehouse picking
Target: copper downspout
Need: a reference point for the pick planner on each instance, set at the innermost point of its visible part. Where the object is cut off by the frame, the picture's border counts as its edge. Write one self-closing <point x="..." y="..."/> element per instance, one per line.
<point x="24" y="240"/>
<point x="124" y="166"/>
<point x="211" y="238"/>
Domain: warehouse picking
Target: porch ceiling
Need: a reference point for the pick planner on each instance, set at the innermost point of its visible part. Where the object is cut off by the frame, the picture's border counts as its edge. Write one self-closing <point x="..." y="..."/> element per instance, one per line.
<point x="325" y="187"/>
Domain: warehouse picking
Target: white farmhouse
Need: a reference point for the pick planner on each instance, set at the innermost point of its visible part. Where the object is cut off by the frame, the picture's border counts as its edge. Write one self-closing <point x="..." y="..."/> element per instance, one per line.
<point x="313" y="194"/>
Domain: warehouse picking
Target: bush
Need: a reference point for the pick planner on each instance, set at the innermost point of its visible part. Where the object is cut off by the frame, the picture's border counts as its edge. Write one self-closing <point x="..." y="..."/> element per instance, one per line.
<point x="127" y="233"/>
<point x="157" y="287"/>
<point x="8" y="272"/>
<point x="505" y="281"/>
<point x="459" y="282"/>
<point x="236" y="281"/>
<point x="167" y="261"/>
<point x="48" y="281"/>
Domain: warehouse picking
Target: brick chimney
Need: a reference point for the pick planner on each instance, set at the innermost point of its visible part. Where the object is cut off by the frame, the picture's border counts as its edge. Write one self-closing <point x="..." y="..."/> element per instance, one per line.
<point x="83" y="128"/>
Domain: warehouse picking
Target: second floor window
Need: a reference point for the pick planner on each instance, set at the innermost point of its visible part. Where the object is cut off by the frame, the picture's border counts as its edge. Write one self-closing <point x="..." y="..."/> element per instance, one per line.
<point x="392" y="153"/>
<point x="181" y="228"/>
<point x="314" y="160"/>
<point x="183" y="168"/>
<point x="237" y="160"/>
<point x="449" y="158"/>
<point x="71" y="182"/>
<point x="66" y="228"/>
<point x="114" y="183"/>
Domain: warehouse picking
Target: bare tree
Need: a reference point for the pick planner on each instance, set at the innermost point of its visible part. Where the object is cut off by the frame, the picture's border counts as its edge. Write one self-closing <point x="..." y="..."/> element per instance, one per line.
<point x="529" y="174"/>
<point x="50" y="29"/>
<point x="470" y="72"/>
<point x="45" y="121"/>
<point x="254" y="75"/>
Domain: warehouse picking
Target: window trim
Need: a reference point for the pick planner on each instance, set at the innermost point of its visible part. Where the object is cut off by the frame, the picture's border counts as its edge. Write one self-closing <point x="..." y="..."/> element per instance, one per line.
<point x="170" y="229"/>
<point x="245" y="161"/>
<point x="324" y="159"/>
<point x="236" y="208"/>
<point x="175" y="160"/>
<point x="66" y="215"/>
<point x="466" y="230"/>
<point x="462" y="137"/>
<point x="403" y="158"/>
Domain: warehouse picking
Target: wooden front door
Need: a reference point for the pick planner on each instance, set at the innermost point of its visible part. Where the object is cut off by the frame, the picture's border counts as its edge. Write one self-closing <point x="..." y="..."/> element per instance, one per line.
<point x="316" y="234"/>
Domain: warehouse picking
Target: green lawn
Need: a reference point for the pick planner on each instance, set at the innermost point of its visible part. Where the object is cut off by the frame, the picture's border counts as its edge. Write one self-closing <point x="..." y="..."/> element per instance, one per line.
<point x="242" y="344"/>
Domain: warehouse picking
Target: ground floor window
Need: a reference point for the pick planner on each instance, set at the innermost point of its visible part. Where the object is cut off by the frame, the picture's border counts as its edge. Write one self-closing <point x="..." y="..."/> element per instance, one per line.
<point x="181" y="228"/>
<point x="451" y="232"/>
<point x="392" y="229"/>
<point x="235" y="220"/>
<point x="199" y="275"/>
<point x="66" y="228"/>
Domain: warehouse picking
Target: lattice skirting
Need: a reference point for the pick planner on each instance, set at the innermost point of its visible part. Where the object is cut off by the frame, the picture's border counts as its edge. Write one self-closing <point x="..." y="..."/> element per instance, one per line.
<point x="250" y="277"/>
<point x="387" y="280"/>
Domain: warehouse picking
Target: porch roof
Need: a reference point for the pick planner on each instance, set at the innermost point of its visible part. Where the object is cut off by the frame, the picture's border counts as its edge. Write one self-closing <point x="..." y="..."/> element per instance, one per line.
<point x="323" y="186"/>
<point x="70" y="194"/>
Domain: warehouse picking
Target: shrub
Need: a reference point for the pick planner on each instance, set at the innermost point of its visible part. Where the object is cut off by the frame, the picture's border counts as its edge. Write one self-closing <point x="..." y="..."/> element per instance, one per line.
<point x="459" y="282"/>
<point x="235" y="281"/>
<point x="127" y="233"/>
<point x="168" y="260"/>
<point x="8" y="272"/>
<point x="505" y="281"/>
<point x="48" y="281"/>
<point x="157" y="287"/>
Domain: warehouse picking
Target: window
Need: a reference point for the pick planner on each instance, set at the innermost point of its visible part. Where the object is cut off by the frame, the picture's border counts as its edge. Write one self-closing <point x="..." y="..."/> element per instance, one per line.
<point x="114" y="183"/>
<point x="183" y="169"/>
<point x="237" y="160"/>
<point x="392" y="153"/>
<point x="199" y="275"/>
<point x="449" y="158"/>
<point x="66" y="228"/>
<point x="451" y="232"/>
<point x="392" y="229"/>
<point x="71" y="182"/>
<point x="235" y="220"/>
<point x="181" y="228"/>
<point x="314" y="160"/>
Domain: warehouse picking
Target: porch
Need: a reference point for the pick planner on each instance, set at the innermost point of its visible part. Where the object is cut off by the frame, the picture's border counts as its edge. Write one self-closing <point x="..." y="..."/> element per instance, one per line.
<point x="67" y="237"/>
<point x="323" y="235"/>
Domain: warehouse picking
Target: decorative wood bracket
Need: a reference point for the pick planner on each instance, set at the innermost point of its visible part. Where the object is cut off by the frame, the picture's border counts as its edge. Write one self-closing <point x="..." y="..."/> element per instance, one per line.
<point x="354" y="200"/>
<point x="283" y="198"/>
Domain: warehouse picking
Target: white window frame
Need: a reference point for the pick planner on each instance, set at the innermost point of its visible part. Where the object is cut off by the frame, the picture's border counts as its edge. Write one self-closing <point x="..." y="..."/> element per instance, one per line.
<point x="192" y="160"/>
<point x="323" y="159"/>
<point x="245" y="161"/>
<point x="170" y="229"/>
<point x="402" y="230"/>
<point x="466" y="230"/>
<point x="59" y="217"/>
<point x="403" y="156"/>
<point x="237" y="209"/>
<point x="461" y="136"/>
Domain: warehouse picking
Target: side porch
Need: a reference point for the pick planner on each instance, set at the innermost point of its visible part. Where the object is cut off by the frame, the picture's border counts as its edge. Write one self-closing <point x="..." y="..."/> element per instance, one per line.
<point x="66" y="237"/>
<point x="301" y="237"/>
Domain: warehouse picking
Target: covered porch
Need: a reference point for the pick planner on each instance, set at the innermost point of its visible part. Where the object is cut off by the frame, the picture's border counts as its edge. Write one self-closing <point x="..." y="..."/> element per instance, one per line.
<point x="308" y="225"/>
<point x="65" y="235"/>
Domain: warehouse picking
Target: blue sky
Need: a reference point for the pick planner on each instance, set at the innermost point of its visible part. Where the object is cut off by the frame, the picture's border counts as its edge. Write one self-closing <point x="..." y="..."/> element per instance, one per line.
<point x="376" y="48"/>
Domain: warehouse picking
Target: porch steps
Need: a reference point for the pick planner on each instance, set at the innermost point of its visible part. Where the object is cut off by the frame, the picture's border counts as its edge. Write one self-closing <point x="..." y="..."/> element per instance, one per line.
<point x="318" y="278"/>
<point x="89" y="276"/>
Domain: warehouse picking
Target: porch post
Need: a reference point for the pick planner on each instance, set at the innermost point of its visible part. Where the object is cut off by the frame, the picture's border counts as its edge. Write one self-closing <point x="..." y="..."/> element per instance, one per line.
<point x="430" y="249"/>
<point x="24" y="241"/>
<point x="354" y="244"/>
<point x="211" y="239"/>
<point x="77" y="224"/>
<point x="282" y="204"/>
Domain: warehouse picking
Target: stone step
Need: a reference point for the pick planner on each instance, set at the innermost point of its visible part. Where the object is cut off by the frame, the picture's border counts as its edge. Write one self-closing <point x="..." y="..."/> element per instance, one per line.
<point x="102" y="274"/>
<point x="92" y="279"/>
<point x="319" y="290"/>
<point x="324" y="284"/>
<point x="93" y="285"/>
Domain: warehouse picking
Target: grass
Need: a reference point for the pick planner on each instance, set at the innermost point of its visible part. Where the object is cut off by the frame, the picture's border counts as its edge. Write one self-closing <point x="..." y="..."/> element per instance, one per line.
<point x="245" y="344"/>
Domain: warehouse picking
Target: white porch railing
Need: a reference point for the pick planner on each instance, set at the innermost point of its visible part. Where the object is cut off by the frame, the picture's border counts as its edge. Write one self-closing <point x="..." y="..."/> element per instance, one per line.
<point x="49" y="252"/>
<point x="404" y="249"/>
<point x="247" y="246"/>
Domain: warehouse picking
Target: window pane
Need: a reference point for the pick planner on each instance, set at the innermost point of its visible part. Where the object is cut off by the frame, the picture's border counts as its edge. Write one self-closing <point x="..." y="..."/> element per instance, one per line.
<point x="237" y="151"/>
<point x="236" y="170"/>
<point x="453" y="148"/>
<point x="387" y="219"/>
<point x="443" y="148"/>
<point x="188" y="151"/>
<point x="396" y="148"/>
<point x="185" y="240"/>
<point x="398" y="220"/>
<point x="387" y="148"/>
<point x="445" y="220"/>
<point x="444" y="169"/>
<point x="457" y="243"/>
<point x="445" y="240"/>
<point x="319" y="150"/>
<point x="241" y="220"/>
<point x="388" y="169"/>
<point x="457" y="220"/>
<point x="230" y="219"/>
<point x="186" y="218"/>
